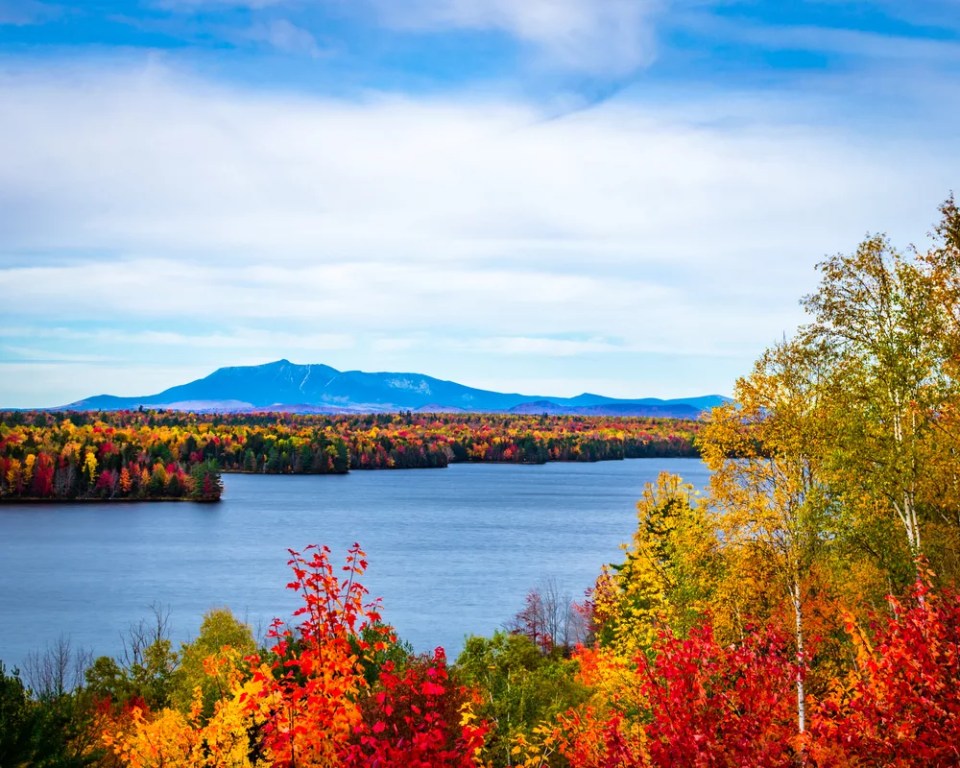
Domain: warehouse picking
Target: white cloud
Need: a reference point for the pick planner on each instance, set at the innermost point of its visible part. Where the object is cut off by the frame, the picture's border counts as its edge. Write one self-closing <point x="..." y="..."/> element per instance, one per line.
<point x="527" y="345"/>
<point x="284" y="36"/>
<point x="594" y="36"/>
<point x="373" y="233"/>
<point x="151" y="165"/>
<point x="441" y="300"/>
<point x="237" y="338"/>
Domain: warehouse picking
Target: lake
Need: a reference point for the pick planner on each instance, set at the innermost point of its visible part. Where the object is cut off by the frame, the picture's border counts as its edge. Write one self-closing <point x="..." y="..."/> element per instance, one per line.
<point x="452" y="552"/>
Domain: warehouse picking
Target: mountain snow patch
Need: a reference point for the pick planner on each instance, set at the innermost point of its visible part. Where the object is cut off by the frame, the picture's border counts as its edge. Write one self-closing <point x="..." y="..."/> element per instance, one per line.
<point x="414" y="385"/>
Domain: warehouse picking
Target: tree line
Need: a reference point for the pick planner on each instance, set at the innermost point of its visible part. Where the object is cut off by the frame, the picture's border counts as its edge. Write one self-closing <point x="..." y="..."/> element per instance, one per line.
<point x="148" y="455"/>
<point x="46" y="456"/>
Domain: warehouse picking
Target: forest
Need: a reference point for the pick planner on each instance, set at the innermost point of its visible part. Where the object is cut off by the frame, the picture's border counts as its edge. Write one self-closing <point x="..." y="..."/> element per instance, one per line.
<point x="804" y="611"/>
<point x="151" y="455"/>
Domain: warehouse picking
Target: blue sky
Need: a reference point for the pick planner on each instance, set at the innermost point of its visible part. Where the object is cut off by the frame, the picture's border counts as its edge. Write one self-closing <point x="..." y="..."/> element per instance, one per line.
<point x="547" y="196"/>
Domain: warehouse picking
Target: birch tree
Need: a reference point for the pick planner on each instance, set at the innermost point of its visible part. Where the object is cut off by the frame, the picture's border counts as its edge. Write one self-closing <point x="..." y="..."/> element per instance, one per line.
<point x="767" y="485"/>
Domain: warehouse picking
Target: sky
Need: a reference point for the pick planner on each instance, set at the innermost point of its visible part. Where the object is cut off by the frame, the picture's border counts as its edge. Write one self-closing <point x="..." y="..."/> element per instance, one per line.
<point x="626" y="197"/>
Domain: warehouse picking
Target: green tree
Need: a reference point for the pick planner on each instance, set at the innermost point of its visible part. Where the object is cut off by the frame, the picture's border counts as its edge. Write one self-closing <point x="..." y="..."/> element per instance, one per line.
<point x="106" y="679"/>
<point x="521" y="687"/>
<point x="207" y="484"/>
<point x="48" y="732"/>
<point x="220" y="632"/>
<point x="148" y="664"/>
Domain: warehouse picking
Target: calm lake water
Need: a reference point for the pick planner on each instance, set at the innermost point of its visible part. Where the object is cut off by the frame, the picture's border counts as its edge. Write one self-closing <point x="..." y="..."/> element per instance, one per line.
<point x="452" y="551"/>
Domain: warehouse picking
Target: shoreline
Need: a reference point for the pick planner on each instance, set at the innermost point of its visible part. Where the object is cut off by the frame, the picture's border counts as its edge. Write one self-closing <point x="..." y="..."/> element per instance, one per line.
<point x="5" y="500"/>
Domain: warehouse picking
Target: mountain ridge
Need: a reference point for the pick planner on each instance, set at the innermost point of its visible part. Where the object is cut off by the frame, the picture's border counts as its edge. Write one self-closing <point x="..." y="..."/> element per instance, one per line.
<point x="319" y="388"/>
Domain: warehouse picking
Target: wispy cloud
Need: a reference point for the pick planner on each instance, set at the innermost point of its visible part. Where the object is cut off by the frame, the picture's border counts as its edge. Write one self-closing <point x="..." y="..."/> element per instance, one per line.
<point x="194" y="5"/>
<point x="237" y="338"/>
<point x="13" y="352"/>
<point x="53" y="382"/>
<point x="609" y="37"/>
<point x="876" y="46"/>
<point x="26" y="12"/>
<point x="605" y="37"/>
<point x="937" y="15"/>
<point x="284" y="36"/>
<point x="551" y="347"/>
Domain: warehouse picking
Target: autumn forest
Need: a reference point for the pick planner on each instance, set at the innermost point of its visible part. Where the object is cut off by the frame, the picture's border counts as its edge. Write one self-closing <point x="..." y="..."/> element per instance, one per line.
<point x="803" y="611"/>
<point x="131" y="455"/>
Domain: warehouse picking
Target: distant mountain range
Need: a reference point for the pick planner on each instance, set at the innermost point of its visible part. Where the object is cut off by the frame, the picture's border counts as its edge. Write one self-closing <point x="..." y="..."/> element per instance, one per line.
<point x="284" y="386"/>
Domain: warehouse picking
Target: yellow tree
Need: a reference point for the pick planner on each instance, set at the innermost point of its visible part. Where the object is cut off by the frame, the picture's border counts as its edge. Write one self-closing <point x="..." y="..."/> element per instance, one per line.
<point x="174" y="739"/>
<point x="28" y="464"/>
<point x="226" y="736"/>
<point x="166" y="740"/>
<point x="670" y="569"/>
<point x="767" y="485"/>
<point x="14" y="476"/>
<point x="880" y="313"/>
<point x="90" y="467"/>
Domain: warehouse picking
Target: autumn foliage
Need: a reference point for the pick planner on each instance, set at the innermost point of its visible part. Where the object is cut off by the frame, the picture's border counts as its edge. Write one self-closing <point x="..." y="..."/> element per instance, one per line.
<point x="323" y="694"/>
<point x="418" y="717"/>
<point x="82" y="457"/>
<point x="335" y="689"/>
<point x="306" y="691"/>
<point x="899" y="705"/>
<point x="716" y="705"/>
<point x="137" y="455"/>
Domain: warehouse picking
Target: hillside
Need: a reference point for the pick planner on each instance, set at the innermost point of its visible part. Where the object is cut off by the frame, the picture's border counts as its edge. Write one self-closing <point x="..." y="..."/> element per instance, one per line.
<point x="318" y="388"/>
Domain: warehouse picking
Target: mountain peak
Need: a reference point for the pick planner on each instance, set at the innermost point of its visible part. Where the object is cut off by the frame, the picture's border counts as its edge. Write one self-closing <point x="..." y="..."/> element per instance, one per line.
<point x="289" y="386"/>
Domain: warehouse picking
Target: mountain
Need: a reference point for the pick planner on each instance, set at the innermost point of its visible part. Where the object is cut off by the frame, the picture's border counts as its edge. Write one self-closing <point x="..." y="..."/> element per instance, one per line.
<point x="285" y="386"/>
